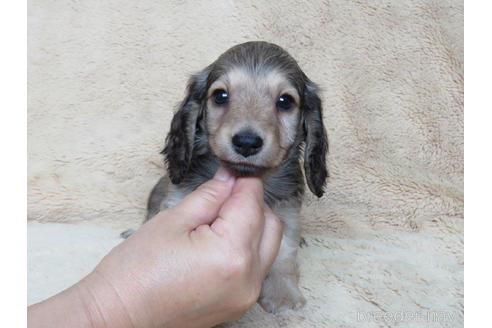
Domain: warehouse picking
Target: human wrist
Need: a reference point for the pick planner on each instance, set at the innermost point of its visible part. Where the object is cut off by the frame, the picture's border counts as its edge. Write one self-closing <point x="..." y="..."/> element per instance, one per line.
<point x="82" y="305"/>
<point x="102" y="304"/>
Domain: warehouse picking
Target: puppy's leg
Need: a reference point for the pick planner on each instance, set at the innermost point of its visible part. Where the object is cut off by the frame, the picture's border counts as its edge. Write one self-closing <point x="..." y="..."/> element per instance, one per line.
<point x="280" y="291"/>
<point x="154" y="204"/>
<point x="156" y="198"/>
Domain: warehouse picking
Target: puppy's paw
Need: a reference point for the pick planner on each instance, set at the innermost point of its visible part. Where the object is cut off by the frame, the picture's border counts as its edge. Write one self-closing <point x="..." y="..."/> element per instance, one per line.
<point x="127" y="233"/>
<point x="276" y="304"/>
<point x="279" y="295"/>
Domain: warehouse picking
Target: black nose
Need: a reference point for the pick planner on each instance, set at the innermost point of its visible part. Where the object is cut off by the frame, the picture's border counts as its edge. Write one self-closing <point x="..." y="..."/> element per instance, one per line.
<point x="247" y="144"/>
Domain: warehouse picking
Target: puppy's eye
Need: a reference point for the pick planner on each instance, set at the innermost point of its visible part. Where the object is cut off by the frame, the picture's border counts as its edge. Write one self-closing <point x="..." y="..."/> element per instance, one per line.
<point x="221" y="97"/>
<point x="285" y="102"/>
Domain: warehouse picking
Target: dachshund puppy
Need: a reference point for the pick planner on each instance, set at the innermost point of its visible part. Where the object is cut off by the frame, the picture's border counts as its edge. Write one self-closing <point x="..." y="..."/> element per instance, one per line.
<point x="252" y="111"/>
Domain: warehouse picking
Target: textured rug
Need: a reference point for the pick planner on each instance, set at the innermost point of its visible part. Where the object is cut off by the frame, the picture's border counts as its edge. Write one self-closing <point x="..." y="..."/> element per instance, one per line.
<point x="385" y="243"/>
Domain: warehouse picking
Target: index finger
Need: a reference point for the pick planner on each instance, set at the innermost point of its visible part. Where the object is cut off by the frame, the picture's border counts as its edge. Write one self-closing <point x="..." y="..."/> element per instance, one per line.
<point x="242" y="215"/>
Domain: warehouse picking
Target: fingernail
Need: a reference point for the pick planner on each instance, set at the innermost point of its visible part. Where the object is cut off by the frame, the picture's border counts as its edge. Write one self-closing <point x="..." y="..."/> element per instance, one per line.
<point x="222" y="174"/>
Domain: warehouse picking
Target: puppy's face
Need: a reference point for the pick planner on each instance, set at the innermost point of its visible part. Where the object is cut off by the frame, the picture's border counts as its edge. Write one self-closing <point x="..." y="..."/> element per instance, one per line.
<point x="252" y="119"/>
<point x="249" y="108"/>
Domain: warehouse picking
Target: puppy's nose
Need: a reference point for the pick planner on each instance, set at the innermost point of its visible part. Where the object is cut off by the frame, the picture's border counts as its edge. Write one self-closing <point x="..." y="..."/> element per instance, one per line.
<point x="247" y="144"/>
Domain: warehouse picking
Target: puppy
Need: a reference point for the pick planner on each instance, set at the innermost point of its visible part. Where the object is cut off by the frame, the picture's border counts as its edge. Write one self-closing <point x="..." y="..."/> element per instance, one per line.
<point x="252" y="111"/>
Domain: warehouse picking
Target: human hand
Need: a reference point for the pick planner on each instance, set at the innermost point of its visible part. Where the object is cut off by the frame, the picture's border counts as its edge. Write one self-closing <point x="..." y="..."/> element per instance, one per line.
<point x="197" y="264"/>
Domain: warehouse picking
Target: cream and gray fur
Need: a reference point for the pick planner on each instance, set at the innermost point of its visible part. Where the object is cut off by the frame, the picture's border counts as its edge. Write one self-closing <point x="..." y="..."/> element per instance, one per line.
<point x="249" y="79"/>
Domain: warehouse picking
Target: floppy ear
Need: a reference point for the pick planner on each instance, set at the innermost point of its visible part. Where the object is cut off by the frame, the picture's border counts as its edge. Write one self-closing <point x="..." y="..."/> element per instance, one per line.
<point x="316" y="141"/>
<point x="181" y="137"/>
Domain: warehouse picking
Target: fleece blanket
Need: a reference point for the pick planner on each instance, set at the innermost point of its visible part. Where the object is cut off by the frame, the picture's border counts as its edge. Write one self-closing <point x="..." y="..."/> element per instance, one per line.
<point x="385" y="243"/>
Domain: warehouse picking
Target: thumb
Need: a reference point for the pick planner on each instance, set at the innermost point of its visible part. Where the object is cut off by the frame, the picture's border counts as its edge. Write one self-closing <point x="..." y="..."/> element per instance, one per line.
<point x="202" y="205"/>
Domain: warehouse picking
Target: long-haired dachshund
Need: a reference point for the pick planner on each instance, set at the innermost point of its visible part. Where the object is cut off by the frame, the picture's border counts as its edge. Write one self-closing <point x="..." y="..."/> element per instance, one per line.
<point x="252" y="111"/>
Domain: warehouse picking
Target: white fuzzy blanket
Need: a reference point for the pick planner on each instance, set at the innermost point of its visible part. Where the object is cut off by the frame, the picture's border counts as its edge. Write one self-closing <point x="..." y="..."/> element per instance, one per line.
<point x="387" y="237"/>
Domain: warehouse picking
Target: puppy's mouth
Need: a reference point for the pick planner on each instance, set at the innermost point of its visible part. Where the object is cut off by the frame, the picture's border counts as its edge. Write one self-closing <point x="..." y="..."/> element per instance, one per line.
<point x="244" y="169"/>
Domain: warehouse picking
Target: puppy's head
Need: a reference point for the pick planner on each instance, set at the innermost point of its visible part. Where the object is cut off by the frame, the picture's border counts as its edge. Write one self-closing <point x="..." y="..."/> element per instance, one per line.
<point x="250" y="108"/>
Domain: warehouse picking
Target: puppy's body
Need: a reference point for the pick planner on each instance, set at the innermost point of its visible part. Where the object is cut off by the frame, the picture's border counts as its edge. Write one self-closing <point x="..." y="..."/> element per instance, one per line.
<point x="251" y="111"/>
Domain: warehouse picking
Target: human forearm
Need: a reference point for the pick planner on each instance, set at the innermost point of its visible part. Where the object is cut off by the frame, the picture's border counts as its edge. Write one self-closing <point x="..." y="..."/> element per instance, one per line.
<point x="89" y="303"/>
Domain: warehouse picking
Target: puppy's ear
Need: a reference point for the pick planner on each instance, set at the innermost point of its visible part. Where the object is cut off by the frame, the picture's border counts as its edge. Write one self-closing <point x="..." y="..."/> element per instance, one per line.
<point x="180" y="140"/>
<point x="316" y="141"/>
